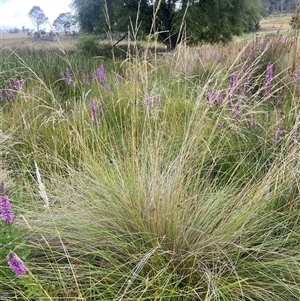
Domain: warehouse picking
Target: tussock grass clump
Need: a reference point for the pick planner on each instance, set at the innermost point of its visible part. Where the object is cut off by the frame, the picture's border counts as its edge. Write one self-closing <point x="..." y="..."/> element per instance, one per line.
<point x="159" y="177"/>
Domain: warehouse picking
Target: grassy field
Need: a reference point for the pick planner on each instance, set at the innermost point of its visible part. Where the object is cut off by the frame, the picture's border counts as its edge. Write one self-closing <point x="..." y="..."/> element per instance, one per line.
<point x="274" y="23"/>
<point x="271" y="24"/>
<point x="21" y="40"/>
<point x="151" y="176"/>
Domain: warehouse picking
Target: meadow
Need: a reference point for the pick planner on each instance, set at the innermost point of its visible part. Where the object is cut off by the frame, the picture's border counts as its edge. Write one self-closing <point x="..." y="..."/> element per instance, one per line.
<point x="141" y="174"/>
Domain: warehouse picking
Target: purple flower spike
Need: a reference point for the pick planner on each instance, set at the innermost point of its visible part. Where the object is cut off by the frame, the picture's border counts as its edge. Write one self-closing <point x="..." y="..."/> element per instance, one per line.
<point x="16" y="264"/>
<point x="210" y="96"/>
<point x="235" y="112"/>
<point x="269" y="77"/>
<point x="5" y="209"/>
<point x="278" y="134"/>
<point x="262" y="46"/>
<point x="93" y="109"/>
<point x="148" y="101"/>
<point x="101" y="73"/>
<point x="66" y="77"/>
<point x="16" y="84"/>
<point x="233" y="86"/>
<point x="9" y="95"/>
<point x="218" y="99"/>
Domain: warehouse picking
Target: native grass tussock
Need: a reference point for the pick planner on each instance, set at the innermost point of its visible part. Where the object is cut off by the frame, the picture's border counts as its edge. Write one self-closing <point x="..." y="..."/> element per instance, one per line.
<point x="164" y="176"/>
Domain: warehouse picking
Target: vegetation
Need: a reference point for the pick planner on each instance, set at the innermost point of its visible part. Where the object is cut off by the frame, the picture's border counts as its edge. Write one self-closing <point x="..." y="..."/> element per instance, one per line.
<point x="37" y="17"/>
<point x="273" y="6"/>
<point x="64" y="21"/>
<point x="220" y="19"/>
<point x="155" y="176"/>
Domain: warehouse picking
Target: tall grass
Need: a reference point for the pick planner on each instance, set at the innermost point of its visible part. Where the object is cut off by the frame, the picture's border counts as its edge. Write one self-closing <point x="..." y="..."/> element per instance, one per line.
<point x="180" y="183"/>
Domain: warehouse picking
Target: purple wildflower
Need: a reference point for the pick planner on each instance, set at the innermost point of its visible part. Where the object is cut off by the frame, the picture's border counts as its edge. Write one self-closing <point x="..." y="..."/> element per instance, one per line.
<point x="148" y="101"/>
<point x="233" y="86"/>
<point x="212" y="97"/>
<point x="214" y="54"/>
<point x="16" y="84"/>
<point x="209" y="96"/>
<point x="101" y="74"/>
<point x="93" y="110"/>
<point x="278" y="134"/>
<point x="66" y="76"/>
<point x="262" y="46"/>
<point x="15" y="264"/>
<point x="5" y="209"/>
<point x="296" y="76"/>
<point x="235" y="112"/>
<point x="219" y="125"/>
<point x="269" y="77"/>
<point x="233" y="81"/>
<point x="106" y="87"/>
<point x="218" y="99"/>
<point x="8" y="94"/>
<point x="247" y="55"/>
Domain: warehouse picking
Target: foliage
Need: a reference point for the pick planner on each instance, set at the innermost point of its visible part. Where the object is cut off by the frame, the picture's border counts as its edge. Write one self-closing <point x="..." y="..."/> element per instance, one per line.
<point x="13" y="249"/>
<point x="64" y="21"/>
<point x="169" y="18"/>
<point x="274" y="6"/>
<point x="90" y="14"/>
<point x="88" y="45"/>
<point x="221" y="20"/>
<point x="37" y="16"/>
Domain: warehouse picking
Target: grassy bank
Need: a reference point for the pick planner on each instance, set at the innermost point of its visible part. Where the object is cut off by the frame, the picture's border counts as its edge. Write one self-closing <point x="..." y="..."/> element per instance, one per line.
<point x="161" y="176"/>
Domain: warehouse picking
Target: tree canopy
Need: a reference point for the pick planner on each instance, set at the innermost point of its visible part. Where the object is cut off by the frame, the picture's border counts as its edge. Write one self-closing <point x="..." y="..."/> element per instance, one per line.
<point x="171" y="20"/>
<point x="37" y="16"/>
<point x="64" y="21"/>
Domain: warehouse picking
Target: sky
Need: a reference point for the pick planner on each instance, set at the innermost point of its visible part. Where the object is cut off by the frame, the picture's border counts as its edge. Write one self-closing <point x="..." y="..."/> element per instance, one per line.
<point x="14" y="13"/>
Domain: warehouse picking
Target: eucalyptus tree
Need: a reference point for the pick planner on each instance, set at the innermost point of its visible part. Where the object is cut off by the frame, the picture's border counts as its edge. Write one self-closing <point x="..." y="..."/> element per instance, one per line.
<point x="64" y="21"/>
<point x="37" y="17"/>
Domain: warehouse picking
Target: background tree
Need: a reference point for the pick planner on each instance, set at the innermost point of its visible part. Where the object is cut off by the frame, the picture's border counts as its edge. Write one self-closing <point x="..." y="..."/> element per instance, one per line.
<point x="37" y="17"/>
<point x="210" y="21"/>
<point x="275" y="6"/>
<point x="221" y="19"/>
<point x="90" y="14"/>
<point x="64" y="21"/>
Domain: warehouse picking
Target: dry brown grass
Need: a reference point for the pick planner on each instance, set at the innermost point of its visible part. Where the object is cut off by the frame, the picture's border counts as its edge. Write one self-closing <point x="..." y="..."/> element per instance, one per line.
<point x="275" y="23"/>
<point x="21" y="40"/>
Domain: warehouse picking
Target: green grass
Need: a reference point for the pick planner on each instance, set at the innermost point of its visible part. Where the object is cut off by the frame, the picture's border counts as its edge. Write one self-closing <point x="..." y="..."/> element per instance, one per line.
<point x="180" y="200"/>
